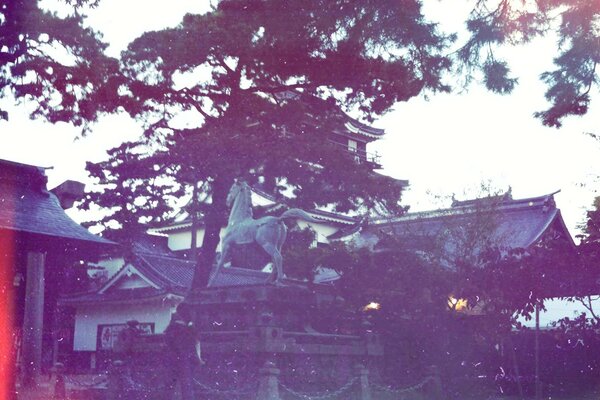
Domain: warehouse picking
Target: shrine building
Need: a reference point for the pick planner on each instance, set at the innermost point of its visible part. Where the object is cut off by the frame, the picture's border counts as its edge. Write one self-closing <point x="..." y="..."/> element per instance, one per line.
<point x="41" y="249"/>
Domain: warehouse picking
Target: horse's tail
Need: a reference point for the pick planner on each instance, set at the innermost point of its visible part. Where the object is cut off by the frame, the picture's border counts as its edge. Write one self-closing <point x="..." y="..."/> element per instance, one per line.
<point x="296" y="213"/>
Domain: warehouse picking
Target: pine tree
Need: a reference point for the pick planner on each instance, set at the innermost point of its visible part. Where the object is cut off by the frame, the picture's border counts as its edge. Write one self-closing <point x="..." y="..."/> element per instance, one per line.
<point x="55" y="63"/>
<point x="264" y="81"/>
<point x="576" y="25"/>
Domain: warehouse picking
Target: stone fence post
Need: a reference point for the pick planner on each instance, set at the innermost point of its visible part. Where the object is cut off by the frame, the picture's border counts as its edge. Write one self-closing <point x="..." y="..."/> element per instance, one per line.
<point x="435" y="387"/>
<point x="362" y="373"/>
<point x="60" y="390"/>
<point x="116" y="383"/>
<point x="268" y="385"/>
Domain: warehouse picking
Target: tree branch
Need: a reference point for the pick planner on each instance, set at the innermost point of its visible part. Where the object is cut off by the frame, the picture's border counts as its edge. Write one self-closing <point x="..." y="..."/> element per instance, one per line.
<point x="201" y="111"/>
<point x="589" y="307"/>
<point x="279" y="89"/>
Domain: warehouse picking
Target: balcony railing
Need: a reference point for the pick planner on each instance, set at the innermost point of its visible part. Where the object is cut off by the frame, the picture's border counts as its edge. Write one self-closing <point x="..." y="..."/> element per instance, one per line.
<point x="361" y="155"/>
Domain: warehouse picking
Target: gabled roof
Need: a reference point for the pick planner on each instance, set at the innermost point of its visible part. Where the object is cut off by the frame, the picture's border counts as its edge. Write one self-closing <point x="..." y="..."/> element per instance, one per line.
<point x="507" y="223"/>
<point x="174" y="274"/>
<point x="27" y="206"/>
<point x="165" y="274"/>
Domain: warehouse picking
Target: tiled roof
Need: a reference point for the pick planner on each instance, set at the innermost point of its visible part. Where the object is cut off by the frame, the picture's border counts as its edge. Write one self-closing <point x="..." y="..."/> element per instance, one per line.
<point x="506" y="222"/>
<point x="116" y="296"/>
<point x="239" y="277"/>
<point x="168" y="272"/>
<point x="26" y="205"/>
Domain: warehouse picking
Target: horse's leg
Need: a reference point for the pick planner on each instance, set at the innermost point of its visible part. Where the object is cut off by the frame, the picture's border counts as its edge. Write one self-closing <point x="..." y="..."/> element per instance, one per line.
<point x="268" y="236"/>
<point x="276" y="258"/>
<point x="282" y="234"/>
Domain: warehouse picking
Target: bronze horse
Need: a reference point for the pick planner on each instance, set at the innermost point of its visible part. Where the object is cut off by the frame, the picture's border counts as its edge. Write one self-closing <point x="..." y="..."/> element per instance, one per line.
<point x="268" y="232"/>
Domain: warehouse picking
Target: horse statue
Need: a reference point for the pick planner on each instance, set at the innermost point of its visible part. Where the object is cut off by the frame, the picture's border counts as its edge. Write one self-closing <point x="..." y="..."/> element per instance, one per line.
<point x="268" y="232"/>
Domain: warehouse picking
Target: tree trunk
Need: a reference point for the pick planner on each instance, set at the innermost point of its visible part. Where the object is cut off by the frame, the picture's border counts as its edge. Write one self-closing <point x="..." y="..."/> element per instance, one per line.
<point x="214" y="220"/>
<point x="194" y="213"/>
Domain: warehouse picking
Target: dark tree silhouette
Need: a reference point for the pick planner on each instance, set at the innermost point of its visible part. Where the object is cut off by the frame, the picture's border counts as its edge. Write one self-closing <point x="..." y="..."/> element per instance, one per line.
<point x="264" y="82"/>
<point x="576" y="25"/>
<point x="55" y="63"/>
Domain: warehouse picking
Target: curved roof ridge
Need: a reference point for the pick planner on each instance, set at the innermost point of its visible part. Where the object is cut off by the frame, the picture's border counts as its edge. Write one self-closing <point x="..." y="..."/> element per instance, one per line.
<point x="113" y="279"/>
<point x="471" y="207"/>
<point x="166" y="279"/>
<point x="556" y="217"/>
<point x="543" y="229"/>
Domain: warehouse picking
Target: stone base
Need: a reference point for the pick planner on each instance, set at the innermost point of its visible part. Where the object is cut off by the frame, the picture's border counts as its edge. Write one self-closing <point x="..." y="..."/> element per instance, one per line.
<point x="298" y="329"/>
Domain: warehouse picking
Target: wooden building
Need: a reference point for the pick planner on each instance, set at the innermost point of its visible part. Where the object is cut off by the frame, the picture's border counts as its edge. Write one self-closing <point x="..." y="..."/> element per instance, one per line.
<point x="40" y="253"/>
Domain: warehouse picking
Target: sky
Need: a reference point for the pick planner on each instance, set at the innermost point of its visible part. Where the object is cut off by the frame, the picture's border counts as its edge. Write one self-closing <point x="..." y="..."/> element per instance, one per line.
<point x="444" y="144"/>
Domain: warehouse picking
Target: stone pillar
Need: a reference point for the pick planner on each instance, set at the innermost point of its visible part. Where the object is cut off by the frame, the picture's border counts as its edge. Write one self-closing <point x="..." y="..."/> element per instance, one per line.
<point x="33" y="318"/>
<point x="268" y="385"/>
<point x="116" y="385"/>
<point x="362" y="373"/>
<point x="60" y="390"/>
<point x="434" y="389"/>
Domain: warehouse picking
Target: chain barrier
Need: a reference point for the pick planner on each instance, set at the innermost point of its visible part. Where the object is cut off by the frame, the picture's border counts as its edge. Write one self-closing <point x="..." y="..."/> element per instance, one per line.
<point x="412" y="388"/>
<point x="131" y="384"/>
<point x="238" y="392"/>
<point x="323" y="395"/>
<point x="94" y="384"/>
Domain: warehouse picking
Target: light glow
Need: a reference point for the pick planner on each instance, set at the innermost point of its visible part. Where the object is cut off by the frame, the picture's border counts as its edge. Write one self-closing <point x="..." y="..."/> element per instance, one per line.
<point x="372" y="306"/>
<point x="457" y="304"/>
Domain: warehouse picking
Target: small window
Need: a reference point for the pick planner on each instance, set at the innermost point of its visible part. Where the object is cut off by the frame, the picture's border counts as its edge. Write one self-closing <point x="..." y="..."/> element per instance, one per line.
<point x="352" y="146"/>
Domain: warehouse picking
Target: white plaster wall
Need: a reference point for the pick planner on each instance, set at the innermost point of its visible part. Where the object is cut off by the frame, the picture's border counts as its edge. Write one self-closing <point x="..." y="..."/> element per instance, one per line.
<point x="112" y="265"/>
<point x="322" y="229"/>
<point x="182" y="240"/>
<point x="89" y="317"/>
<point x="130" y="282"/>
<point x="258" y="200"/>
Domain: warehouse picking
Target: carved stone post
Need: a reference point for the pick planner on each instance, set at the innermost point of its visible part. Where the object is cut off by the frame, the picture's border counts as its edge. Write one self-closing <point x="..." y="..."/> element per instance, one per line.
<point x="116" y="381"/>
<point x="362" y="373"/>
<point x="33" y="318"/>
<point x="60" y="390"/>
<point x="268" y="385"/>
<point x="435" y="387"/>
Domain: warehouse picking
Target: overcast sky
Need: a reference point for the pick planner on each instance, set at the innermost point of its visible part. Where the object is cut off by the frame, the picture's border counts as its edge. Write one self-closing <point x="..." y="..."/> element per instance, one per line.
<point x="448" y="144"/>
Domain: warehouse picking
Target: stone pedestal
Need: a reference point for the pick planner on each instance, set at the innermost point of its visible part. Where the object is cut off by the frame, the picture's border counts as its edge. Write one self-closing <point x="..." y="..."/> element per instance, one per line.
<point x="300" y="328"/>
<point x="268" y="385"/>
<point x="362" y="374"/>
<point x="258" y="340"/>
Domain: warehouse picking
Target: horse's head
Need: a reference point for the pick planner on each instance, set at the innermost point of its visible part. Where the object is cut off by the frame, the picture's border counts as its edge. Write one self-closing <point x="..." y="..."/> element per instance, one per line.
<point x="237" y="188"/>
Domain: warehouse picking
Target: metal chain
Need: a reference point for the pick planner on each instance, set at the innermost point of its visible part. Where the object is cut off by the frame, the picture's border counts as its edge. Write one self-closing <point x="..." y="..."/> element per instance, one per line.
<point x="74" y="382"/>
<point x="209" y="389"/>
<point x="403" y="390"/>
<point x="140" y="386"/>
<point x="320" y="396"/>
<point x="134" y="385"/>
